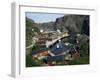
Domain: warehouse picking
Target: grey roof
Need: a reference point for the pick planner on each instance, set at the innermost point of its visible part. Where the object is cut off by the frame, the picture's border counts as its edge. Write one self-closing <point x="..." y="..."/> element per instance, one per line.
<point x="56" y="58"/>
<point x="62" y="48"/>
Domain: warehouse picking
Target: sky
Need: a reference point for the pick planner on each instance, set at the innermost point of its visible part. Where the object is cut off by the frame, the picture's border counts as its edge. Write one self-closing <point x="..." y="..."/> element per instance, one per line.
<point x="42" y="17"/>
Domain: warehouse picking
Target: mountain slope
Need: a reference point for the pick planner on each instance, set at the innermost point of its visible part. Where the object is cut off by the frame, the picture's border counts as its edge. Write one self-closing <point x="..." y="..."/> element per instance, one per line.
<point x="73" y="23"/>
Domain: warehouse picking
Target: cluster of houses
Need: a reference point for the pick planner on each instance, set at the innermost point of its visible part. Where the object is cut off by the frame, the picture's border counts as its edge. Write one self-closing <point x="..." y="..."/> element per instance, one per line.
<point x="58" y="52"/>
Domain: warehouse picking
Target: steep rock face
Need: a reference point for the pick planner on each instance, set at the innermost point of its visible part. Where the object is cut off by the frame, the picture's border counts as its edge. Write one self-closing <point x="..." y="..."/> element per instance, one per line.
<point x="73" y="23"/>
<point x="85" y="27"/>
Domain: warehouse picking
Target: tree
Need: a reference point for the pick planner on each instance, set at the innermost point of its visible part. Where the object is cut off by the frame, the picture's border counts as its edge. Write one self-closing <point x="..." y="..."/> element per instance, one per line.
<point x="31" y="29"/>
<point x="84" y="54"/>
<point x="30" y="62"/>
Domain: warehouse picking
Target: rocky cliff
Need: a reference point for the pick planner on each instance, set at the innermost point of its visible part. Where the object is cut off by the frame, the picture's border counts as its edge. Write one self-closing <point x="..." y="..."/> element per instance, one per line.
<point x="73" y="23"/>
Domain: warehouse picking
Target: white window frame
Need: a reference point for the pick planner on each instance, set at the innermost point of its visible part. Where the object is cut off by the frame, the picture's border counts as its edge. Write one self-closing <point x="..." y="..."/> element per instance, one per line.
<point x="18" y="41"/>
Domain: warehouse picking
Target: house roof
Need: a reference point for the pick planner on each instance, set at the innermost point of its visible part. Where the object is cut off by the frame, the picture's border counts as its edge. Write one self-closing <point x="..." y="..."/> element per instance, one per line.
<point x="60" y="48"/>
<point x="39" y="51"/>
<point x="56" y="58"/>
